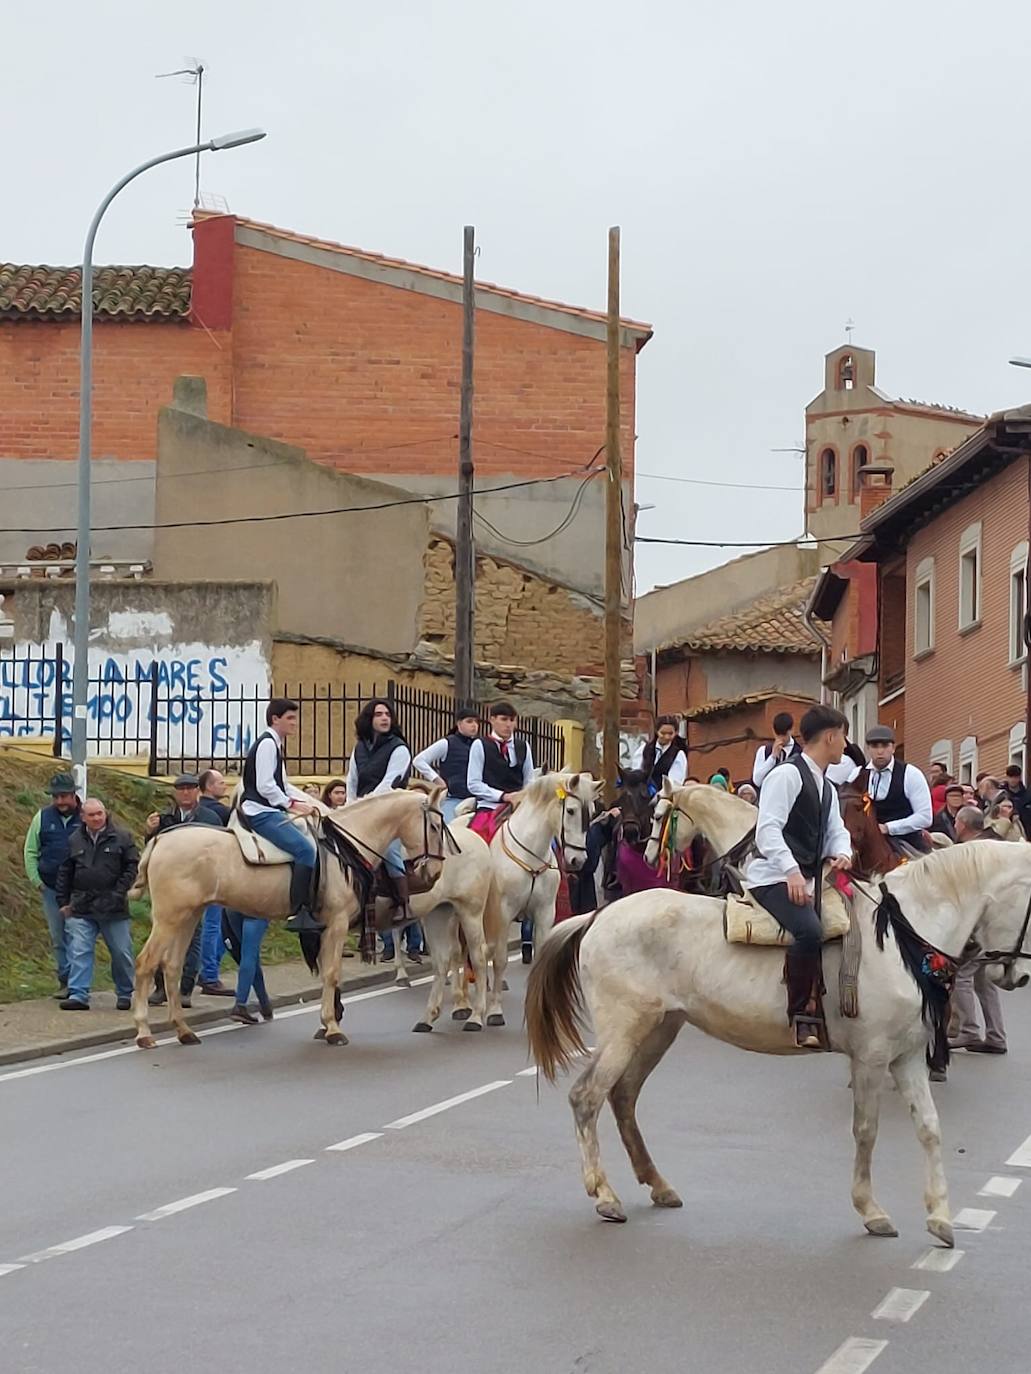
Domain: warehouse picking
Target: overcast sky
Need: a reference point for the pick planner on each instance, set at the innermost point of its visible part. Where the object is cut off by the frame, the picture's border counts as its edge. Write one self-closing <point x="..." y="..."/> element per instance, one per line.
<point x="776" y="170"/>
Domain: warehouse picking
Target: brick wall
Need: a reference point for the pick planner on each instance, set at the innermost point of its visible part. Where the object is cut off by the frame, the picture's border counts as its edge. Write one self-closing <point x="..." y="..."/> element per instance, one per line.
<point x="520" y="618"/>
<point x="966" y="686"/>
<point x="731" y="738"/>
<point x="134" y="366"/>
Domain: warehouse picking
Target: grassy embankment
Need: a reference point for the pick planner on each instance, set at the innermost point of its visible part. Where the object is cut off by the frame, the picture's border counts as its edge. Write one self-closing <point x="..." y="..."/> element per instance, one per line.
<point x="26" y="967"/>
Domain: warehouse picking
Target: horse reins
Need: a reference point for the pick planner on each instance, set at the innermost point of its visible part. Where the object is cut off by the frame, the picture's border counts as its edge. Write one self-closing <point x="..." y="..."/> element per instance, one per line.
<point x="733" y="855"/>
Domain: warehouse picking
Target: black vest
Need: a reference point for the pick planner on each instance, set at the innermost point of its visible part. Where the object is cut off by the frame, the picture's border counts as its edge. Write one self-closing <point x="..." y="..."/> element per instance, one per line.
<point x="504" y="777"/>
<point x="895" y="806"/>
<point x="250" y="771"/>
<point x="662" y="765"/>
<point x="455" y="768"/>
<point x="794" y="751"/>
<point x="371" y="761"/>
<point x="806" y="825"/>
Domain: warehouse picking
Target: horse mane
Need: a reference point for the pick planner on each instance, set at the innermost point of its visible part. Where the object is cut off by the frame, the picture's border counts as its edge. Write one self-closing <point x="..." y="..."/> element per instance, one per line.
<point x="701" y="796"/>
<point x="946" y="875"/>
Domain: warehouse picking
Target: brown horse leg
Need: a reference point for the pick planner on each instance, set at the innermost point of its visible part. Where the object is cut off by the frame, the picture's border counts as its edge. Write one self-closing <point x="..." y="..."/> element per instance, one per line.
<point x="623" y="1101"/>
<point x="173" y="966"/>
<point x="330" y="954"/>
<point x="147" y="962"/>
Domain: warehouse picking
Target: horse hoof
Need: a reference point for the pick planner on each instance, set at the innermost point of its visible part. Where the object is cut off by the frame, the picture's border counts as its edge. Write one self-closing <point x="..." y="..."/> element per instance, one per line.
<point x="189" y="1039"/>
<point x="496" y="1019"/>
<point x="942" y="1230"/>
<point x="472" y="1026"/>
<point x="320" y="1034"/>
<point x="403" y="982"/>
<point x="461" y="1013"/>
<point x="422" y="1027"/>
<point x="337" y="1038"/>
<point x="610" y="1211"/>
<point x="881" y="1226"/>
<point x="504" y="985"/>
<point x="146" y="1042"/>
<point x="666" y="1197"/>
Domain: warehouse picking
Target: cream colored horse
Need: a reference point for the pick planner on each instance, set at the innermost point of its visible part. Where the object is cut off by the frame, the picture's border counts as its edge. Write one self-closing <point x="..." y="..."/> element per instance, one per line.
<point x="194" y="866"/>
<point x="653" y="961"/>
<point x="553" y="808"/>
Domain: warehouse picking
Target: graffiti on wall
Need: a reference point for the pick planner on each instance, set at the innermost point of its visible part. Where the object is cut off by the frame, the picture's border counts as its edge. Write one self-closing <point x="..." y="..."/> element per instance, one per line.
<point x="199" y="700"/>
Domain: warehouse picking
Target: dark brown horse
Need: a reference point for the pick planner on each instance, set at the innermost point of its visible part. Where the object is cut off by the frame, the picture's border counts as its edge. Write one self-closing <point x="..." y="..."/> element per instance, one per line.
<point x="871" y="850"/>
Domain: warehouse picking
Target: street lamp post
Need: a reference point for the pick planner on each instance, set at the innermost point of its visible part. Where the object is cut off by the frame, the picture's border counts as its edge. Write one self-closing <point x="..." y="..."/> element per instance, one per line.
<point x="80" y="671"/>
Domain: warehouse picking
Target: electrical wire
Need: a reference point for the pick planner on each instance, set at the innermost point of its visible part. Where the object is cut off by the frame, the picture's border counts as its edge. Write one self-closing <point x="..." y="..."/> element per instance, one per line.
<point x="563" y="524"/>
<point x="807" y="539"/>
<point x="701" y="482"/>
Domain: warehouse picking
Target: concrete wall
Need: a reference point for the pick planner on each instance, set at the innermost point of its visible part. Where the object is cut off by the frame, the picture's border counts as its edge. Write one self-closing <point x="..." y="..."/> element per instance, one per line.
<point x="208" y="641"/>
<point x="351" y="576"/>
<point x="41" y="496"/>
<point x="683" y="686"/>
<point x="664" y="615"/>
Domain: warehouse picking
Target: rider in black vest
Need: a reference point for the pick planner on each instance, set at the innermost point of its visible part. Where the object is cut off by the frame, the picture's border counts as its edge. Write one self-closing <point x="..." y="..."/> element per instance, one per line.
<point x="899" y="792"/>
<point x="381" y="761"/>
<point x="448" y="758"/>
<point x="665" y="755"/>
<point x="499" y="764"/>
<point x="799" y="826"/>
<point x="784" y="747"/>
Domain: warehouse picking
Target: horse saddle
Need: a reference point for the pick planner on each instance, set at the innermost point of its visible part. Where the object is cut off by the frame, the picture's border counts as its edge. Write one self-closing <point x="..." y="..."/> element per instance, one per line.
<point x="256" y="850"/>
<point x="745" y="922"/>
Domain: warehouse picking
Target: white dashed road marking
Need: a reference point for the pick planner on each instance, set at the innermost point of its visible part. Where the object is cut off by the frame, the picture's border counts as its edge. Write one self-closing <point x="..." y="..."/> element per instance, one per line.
<point x="939" y="1261"/>
<point x="9" y="1268"/>
<point x="79" y="1243"/>
<point x="973" y="1219"/>
<point x="1021" y="1158"/>
<point x="997" y="1186"/>
<point x="353" y="1140"/>
<point x="170" y="1208"/>
<point x="446" y="1105"/>
<point x="527" y="1073"/>
<point x="856" y="1355"/>
<point x="901" y="1304"/>
<point x="278" y="1169"/>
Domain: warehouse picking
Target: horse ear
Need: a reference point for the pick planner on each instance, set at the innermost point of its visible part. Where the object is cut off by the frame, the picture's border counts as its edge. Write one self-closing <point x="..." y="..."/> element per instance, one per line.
<point x="621" y="772"/>
<point x="667" y="787"/>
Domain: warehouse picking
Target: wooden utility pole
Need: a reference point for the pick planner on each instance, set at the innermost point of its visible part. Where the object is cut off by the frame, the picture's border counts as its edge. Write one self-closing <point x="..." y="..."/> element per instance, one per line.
<point x="465" y="555"/>
<point x="613" y="532"/>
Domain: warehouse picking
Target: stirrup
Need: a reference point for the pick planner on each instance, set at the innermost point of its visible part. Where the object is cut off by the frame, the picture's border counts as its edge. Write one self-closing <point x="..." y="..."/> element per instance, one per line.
<point x="301" y="921"/>
<point x="809" y="1031"/>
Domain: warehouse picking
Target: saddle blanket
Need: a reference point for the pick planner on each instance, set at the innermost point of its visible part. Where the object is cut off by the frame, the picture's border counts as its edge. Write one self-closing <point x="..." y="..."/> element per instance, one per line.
<point x="254" y="849"/>
<point x="745" y="922"/>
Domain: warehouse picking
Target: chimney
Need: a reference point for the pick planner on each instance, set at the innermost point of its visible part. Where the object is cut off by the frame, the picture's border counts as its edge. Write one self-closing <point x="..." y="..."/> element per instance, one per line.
<point x="875" y="486"/>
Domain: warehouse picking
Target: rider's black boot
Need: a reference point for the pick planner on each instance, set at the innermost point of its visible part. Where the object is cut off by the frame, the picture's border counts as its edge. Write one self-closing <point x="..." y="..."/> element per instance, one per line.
<point x="401" y="912"/>
<point x="300" y="900"/>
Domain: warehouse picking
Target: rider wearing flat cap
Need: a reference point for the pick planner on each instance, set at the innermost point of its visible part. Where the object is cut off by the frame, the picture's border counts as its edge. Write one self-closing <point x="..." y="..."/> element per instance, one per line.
<point x="899" y="792"/>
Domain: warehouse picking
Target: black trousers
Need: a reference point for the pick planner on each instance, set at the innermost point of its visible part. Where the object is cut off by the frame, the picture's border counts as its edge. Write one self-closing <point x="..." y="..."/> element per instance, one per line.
<point x="800" y="921"/>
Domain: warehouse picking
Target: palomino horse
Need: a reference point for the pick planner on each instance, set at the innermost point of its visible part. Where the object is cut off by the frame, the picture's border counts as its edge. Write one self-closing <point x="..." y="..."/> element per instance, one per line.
<point x="191" y="867"/>
<point x="656" y="960"/>
<point x="553" y="808"/>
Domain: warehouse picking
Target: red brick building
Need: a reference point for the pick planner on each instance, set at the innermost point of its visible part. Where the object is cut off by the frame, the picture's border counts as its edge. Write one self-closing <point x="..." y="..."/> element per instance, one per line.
<point x="354" y="357"/>
<point x="928" y="610"/>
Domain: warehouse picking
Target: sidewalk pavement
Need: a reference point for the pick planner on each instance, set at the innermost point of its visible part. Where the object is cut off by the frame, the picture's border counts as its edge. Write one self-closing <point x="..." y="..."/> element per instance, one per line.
<point x="32" y="1029"/>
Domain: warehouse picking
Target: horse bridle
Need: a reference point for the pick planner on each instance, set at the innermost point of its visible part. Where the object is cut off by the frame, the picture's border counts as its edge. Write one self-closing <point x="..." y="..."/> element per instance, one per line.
<point x="733" y="855"/>
<point x="427" y="811"/>
<point x="1007" y="958"/>
<point x="564" y="844"/>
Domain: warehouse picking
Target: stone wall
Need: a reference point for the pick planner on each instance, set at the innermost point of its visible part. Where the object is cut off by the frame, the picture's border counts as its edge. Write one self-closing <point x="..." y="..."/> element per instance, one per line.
<point x="520" y="618"/>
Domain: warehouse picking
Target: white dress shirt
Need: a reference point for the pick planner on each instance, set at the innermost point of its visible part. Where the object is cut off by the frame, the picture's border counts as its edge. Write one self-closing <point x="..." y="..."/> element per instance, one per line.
<point x="775" y="860"/>
<point x="397" y="766"/>
<point x="765" y="762"/>
<point x="486" y="796"/>
<point x="268" y="754"/>
<point x="678" y="768"/>
<point x="918" y="794"/>
<point x="844" y="772"/>
<point x="427" y="764"/>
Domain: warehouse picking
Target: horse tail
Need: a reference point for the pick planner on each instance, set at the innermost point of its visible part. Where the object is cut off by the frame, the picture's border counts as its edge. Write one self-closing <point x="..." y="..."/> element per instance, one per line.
<point x="311" y="945"/>
<point x="554" y="998"/>
<point x="139" y="887"/>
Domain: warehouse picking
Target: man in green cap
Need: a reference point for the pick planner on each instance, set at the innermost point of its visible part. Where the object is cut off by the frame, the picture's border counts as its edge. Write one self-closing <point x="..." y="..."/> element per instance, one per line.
<point x="46" y="848"/>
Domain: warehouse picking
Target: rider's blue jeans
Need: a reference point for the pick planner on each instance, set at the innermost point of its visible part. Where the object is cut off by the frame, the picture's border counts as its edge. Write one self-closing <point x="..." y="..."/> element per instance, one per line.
<point x="252" y="933"/>
<point x="279" y="829"/>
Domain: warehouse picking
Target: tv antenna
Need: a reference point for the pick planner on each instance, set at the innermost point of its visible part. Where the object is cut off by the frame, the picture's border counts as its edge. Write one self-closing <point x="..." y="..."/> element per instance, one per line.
<point x="850" y="325"/>
<point x="194" y="75"/>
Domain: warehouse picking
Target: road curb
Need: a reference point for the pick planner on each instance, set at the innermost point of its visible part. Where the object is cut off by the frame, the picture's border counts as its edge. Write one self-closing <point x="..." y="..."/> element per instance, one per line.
<point x="198" y="1016"/>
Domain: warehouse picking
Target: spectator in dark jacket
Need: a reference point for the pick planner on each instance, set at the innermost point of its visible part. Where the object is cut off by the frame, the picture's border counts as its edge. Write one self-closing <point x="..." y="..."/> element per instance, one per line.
<point x="92" y="893"/>
<point x="186" y="809"/>
<point x="1019" y="795"/>
<point x="212" y="944"/>
<point x="944" y="822"/>
<point x="46" y="848"/>
<point x="213" y="793"/>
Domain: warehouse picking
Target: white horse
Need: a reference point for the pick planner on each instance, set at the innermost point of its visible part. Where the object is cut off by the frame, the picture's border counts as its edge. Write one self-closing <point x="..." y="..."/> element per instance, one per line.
<point x="555" y="808"/>
<point x="652" y="961"/>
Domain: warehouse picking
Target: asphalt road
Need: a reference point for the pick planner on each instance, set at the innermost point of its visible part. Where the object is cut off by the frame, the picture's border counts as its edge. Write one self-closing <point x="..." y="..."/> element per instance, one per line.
<point x="462" y="1240"/>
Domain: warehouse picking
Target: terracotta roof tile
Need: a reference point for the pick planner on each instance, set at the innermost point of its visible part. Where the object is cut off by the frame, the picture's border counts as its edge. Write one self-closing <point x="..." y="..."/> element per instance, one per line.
<point x="142" y="293"/>
<point x="401" y="264"/>
<point x="770" y="624"/>
<point x="720" y="706"/>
